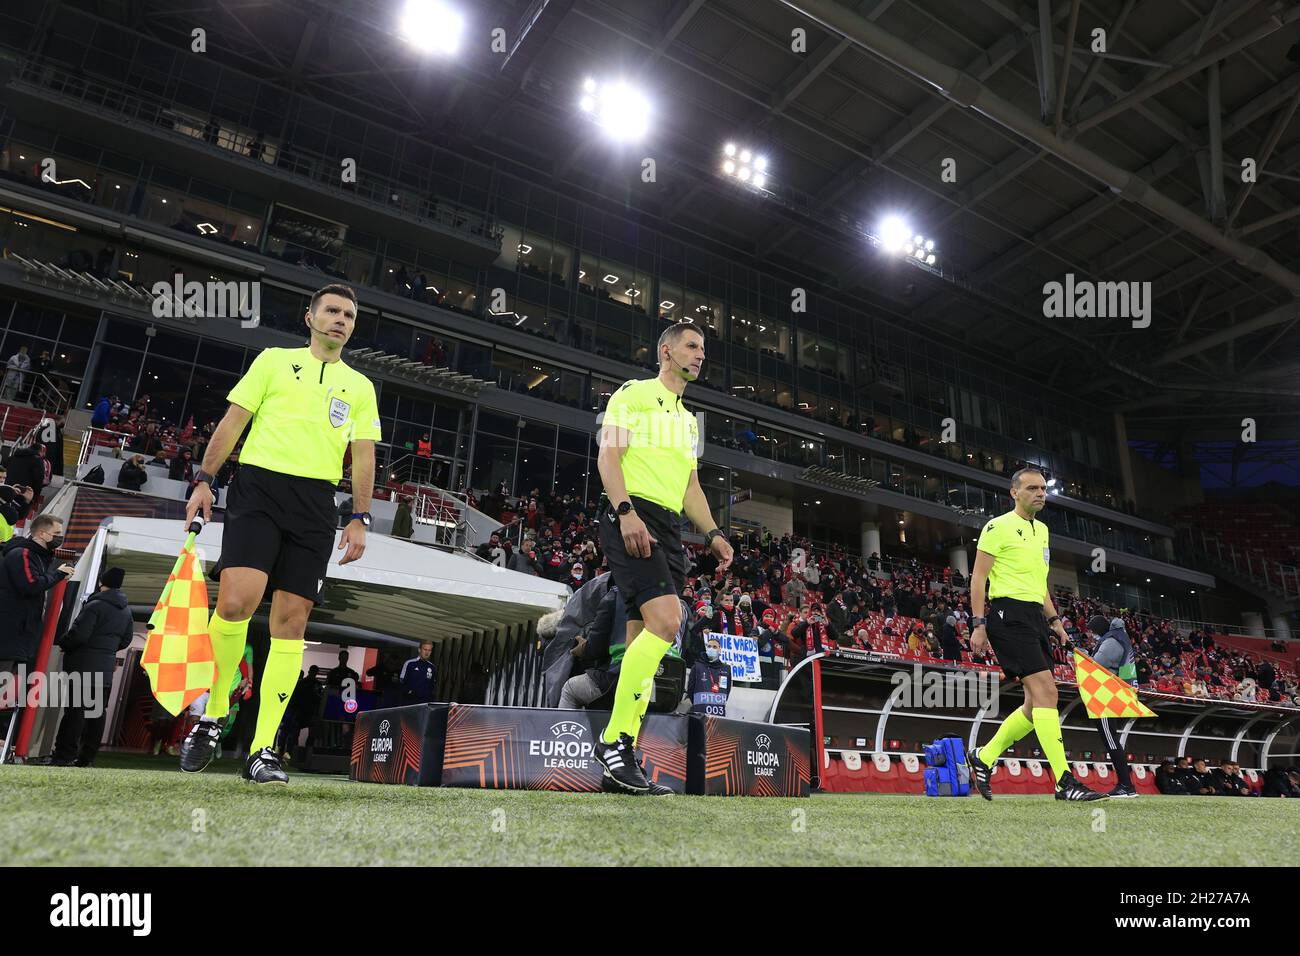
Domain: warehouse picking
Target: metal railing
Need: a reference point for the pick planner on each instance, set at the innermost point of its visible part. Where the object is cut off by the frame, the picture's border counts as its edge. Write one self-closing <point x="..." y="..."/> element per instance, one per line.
<point x="133" y="107"/>
<point x="35" y="390"/>
<point x="1231" y="630"/>
<point x="1281" y="579"/>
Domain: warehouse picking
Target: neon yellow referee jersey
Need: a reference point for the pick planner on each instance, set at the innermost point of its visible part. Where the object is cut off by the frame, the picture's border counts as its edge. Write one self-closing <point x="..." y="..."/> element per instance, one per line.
<point x="663" y="441"/>
<point x="305" y="412"/>
<point x="1022" y="552"/>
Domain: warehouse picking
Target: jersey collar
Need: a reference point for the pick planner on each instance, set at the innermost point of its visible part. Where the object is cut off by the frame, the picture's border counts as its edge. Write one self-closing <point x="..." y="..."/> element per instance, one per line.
<point x="668" y="393"/>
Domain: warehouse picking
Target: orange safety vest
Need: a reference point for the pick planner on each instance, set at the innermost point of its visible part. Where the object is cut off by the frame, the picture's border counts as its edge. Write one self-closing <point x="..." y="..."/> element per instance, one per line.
<point x="424" y="449"/>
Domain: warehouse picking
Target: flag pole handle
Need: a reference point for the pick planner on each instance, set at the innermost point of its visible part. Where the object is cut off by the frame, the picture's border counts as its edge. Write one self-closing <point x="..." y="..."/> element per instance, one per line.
<point x="196" y="525"/>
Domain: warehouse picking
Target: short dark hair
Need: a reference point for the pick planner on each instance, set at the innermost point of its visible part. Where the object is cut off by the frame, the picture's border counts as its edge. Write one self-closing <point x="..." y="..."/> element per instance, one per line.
<point x="334" y="288"/>
<point x="41" y="522"/>
<point x="1015" y="478"/>
<point x="674" y="332"/>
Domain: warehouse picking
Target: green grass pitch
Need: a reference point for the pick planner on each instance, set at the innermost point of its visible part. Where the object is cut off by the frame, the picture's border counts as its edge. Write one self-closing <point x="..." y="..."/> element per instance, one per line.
<point x="144" y="812"/>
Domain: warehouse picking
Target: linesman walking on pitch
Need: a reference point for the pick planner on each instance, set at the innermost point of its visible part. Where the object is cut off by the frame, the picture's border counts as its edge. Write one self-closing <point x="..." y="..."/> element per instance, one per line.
<point x="1012" y="557"/>
<point x="647" y="462"/>
<point x="306" y="407"/>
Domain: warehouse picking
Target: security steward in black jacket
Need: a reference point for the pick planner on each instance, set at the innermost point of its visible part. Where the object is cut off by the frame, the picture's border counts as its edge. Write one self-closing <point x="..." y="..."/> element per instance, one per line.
<point x="102" y="629"/>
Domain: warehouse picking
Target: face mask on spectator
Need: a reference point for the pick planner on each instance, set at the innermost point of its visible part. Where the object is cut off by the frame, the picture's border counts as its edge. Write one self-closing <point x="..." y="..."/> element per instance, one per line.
<point x="712" y="653"/>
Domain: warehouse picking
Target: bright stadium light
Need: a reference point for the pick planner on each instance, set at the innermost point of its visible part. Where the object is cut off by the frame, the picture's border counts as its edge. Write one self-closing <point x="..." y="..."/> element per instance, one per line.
<point x="929" y="260"/>
<point x="743" y="163"/>
<point x="622" y="110"/>
<point x="893" y="234"/>
<point x="929" y="245"/>
<point x="432" y="25"/>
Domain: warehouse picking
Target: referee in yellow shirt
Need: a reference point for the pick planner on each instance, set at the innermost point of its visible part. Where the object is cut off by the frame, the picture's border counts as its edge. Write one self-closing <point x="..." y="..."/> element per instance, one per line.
<point x="306" y="408"/>
<point x="1012" y="557"/>
<point x="647" y="462"/>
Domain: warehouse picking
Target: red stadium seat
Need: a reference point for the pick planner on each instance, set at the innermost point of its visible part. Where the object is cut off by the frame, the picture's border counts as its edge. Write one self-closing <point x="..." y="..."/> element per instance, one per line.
<point x="856" y="776"/>
<point x="1144" y="779"/>
<point x="883" y="774"/>
<point x="912" y="778"/>
<point x="1010" y="776"/>
<point x="1040" y="778"/>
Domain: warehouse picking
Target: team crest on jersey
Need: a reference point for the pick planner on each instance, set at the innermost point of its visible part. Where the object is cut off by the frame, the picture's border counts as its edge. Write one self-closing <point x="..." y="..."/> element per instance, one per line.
<point x="338" y="412"/>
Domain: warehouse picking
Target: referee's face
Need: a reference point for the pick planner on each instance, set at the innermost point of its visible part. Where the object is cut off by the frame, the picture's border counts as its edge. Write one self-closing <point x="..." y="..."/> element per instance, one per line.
<point x="687" y="356"/>
<point x="333" y="320"/>
<point x="1031" y="493"/>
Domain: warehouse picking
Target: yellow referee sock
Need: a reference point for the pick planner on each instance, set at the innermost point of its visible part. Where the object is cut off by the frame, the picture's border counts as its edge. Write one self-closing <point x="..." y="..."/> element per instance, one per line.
<point x="228" y="638"/>
<point x="635" y="679"/>
<point x="280" y="676"/>
<point x="1013" y="728"/>
<point x="1047" y="724"/>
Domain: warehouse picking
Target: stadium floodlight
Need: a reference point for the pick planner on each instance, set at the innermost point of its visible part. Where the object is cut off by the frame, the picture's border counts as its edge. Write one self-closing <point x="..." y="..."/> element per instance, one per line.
<point x="432" y="25"/>
<point x="929" y="245"/>
<point x="893" y="234"/>
<point x="617" y="107"/>
<point x="929" y="260"/>
<point x="744" y="164"/>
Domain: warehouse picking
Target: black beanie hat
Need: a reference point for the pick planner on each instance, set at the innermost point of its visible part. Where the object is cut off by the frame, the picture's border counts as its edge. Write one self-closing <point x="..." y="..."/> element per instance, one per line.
<point x="112" y="578"/>
<point x="1098" y="625"/>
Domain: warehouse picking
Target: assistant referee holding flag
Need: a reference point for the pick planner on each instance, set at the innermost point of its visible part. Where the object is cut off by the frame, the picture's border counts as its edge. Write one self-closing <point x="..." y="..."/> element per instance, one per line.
<point x="1012" y="556"/>
<point x="647" y="463"/>
<point x="306" y="407"/>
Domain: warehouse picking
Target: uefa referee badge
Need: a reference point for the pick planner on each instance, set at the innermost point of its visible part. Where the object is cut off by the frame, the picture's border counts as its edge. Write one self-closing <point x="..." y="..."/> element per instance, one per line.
<point x="338" y="412"/>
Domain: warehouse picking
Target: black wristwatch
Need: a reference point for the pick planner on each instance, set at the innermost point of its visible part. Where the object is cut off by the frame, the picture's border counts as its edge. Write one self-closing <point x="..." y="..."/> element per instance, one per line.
<point x="715" y="533"/>
<point x="202" y="475"/>
<point x="1053" y="619"/>
<point x="624" y="508"/>
<point x="362" y="516"/>
<point x="978" y="622"/>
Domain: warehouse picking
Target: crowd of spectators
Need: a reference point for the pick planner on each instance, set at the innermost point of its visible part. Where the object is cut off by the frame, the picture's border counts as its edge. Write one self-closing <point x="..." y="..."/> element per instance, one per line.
<point x="795" y="599"/>
<point x="153" y="446"/>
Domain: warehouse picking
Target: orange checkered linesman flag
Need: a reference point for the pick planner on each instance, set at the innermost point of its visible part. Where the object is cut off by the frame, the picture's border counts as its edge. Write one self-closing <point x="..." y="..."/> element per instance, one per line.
<point x="178" y="652"/>
<point x="1104" y="694"/>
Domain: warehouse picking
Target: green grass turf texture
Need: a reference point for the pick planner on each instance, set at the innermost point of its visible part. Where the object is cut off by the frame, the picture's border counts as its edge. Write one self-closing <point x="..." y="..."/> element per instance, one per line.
<point x="140" y="811"/>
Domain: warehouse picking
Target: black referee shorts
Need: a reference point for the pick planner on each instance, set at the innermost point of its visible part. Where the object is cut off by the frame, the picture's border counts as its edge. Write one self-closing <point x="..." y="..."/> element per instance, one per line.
<point x="1020" y="637"/>
<point x="642" y="579"/>
<point x="282" y="525"/>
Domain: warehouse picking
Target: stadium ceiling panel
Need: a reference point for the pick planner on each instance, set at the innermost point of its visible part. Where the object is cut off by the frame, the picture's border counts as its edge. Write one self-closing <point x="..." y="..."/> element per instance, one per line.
<point x="855" y="135"/>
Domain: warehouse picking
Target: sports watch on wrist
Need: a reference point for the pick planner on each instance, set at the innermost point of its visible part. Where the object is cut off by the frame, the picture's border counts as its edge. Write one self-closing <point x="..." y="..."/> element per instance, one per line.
<point x="978" y="622"/>
<point x="715" y="533"/>
<point x="1053" y="619"/>
<point x="203" y="476"/>
<point x="624" y="508"/>
<point x="362" y="516"/>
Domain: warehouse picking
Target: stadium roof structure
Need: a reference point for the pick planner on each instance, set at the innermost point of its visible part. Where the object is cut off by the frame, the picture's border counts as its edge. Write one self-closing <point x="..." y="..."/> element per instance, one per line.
<point x="1120" y="165"/>
<point x="397" y="592"/>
